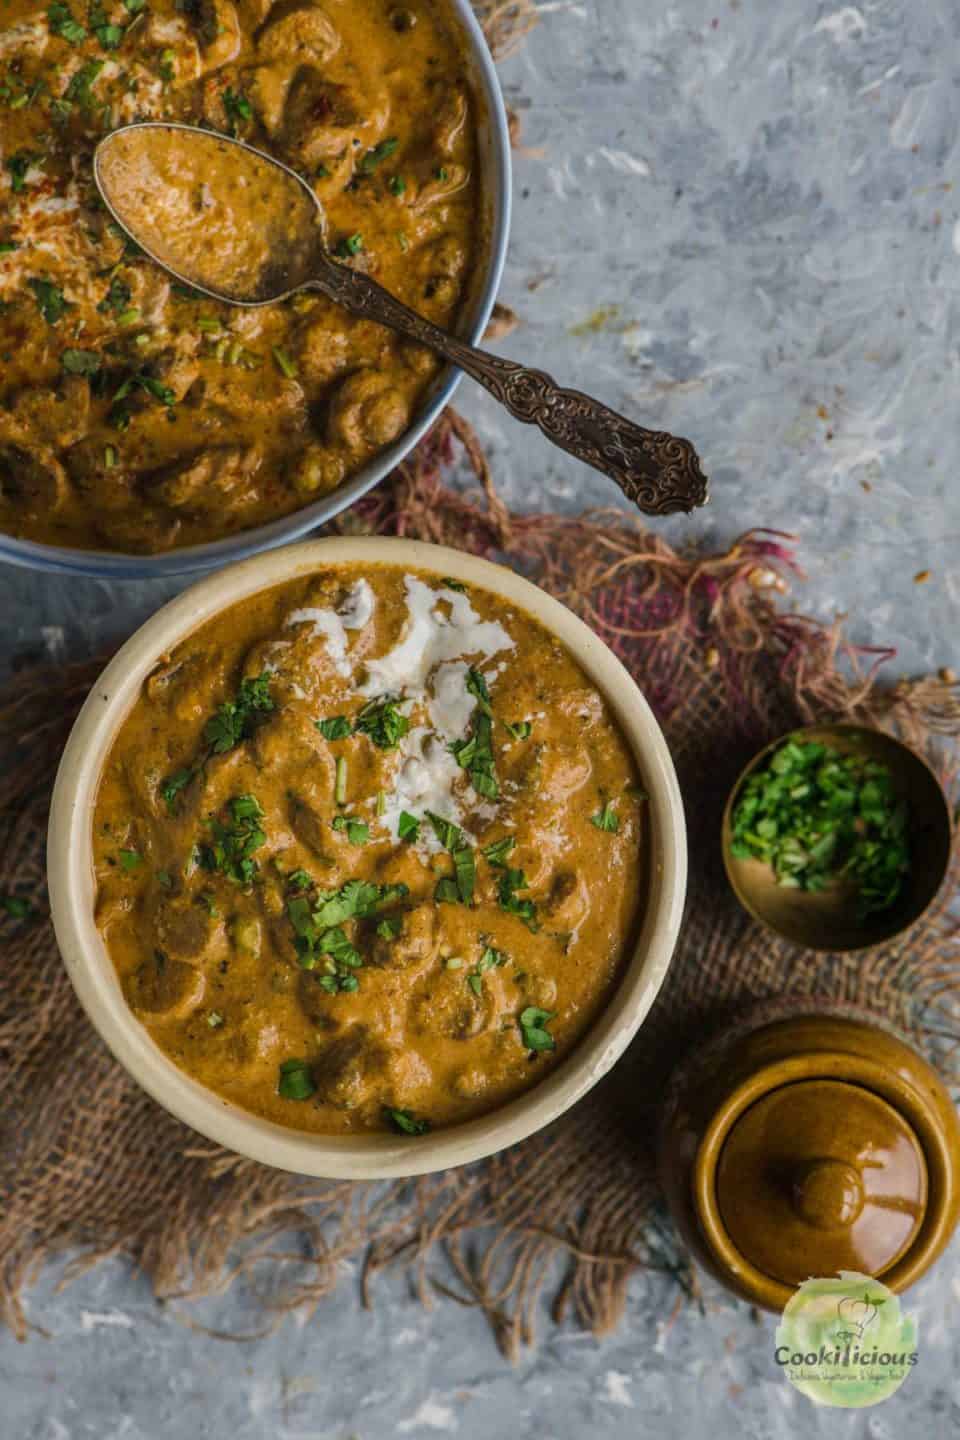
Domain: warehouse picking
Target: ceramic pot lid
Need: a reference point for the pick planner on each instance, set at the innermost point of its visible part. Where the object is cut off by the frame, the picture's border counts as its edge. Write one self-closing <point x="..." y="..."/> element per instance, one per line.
<point x="821" y="1176"/>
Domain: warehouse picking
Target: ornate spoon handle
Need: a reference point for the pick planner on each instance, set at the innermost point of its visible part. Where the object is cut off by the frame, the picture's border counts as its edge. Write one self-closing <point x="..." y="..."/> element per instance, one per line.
<point x="660" y="473"/>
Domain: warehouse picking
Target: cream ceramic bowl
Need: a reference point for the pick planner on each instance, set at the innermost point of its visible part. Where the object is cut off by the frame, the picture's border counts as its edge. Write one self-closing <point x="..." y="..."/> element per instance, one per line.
<point x="71" y="878"/>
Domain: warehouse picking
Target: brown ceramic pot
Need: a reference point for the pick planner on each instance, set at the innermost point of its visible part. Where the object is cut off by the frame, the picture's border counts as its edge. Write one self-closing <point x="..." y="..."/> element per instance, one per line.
<point x="806" y="1145"/>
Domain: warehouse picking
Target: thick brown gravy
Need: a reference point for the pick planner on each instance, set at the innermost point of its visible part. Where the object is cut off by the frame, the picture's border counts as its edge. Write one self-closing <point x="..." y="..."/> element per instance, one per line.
<point x="217" y="214"/>
<point x="135" y="416"/>
<point x="369" y="852"/>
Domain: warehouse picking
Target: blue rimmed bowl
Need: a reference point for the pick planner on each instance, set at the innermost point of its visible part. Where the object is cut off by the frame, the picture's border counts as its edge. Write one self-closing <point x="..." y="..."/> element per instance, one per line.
<point x="494" y="147"/>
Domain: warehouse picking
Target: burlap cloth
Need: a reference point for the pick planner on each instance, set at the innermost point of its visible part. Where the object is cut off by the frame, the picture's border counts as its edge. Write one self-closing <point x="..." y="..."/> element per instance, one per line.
<point x="89" y="1164"/>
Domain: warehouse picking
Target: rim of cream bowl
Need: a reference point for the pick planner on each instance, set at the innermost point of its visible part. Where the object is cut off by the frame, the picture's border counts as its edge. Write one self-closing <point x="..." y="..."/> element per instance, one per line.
<point x="496" y="168"/>
<point x="71" y="878"/>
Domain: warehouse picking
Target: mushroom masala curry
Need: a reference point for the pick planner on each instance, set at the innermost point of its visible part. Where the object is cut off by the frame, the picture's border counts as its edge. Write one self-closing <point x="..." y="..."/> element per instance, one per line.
<point x="370" y="852"/>
<point x="136" y="415"/>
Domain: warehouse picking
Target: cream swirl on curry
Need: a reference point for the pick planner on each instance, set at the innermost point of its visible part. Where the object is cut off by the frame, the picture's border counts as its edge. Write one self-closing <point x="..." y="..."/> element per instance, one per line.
<point x="370" y="852"/>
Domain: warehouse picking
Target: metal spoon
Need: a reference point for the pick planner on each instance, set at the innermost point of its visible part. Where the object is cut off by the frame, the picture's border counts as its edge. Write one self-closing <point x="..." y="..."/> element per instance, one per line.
<point x="660" y="473"/>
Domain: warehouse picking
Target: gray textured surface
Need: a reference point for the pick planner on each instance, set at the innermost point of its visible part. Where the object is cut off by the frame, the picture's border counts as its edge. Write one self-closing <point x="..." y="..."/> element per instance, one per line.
<point x="761" y="196"/>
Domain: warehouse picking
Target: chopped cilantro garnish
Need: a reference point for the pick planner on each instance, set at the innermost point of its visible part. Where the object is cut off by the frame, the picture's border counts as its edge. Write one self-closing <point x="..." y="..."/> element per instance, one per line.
<point x="236" y="719"/>
<point x="533" y="1028"/>
<point x="497" y="853"/>
<point x="107" y="34"/>
<point x="238" y="109"/>
<point x="317" y="923"/>
<point x="171" y="787"/>
<point x="357" y="831"/>
<point x="389" y="928"/>
<point x="119" y="413"/>
<point x="449" y="834"/>
<point x="408" y="827"/>
<point x="62" y="23"/>
<point x="234" y="840"/>
<point x="460" y="886"/>
<point x="355" y="900"/>
<point x="405" y="1122"/>
<point x="814" y="814"/>
<point x="332" y="947"/>
<point x="373" y="157"/>
<point x="156" y="388"/>
<point x="606" y="819"/>
<point x="335" y="727"/>
<point x="117" y="297"/>
<point x="295" y="1081"/>
<point x="398" y="186"/>
<point x="457" y="585"/>
<point x="466" y="872"/>
<point x="510" y="882"/>
<point x="477" y="686"/>
<point x="81" y="362"/>
<point x="130" y="859"/>
<point x="383" y="723"/>
<point x="490" y="959"/>
<point x="283" y="362"/>
<point x="245" y="807"/>
<point x="522" y="730"/>
<point x="18" y="165"/>
<point x="50" y="300"/>
<point x="349" y="246"/>
<point x="475" y="755"/>
<point x="80" y="87"/>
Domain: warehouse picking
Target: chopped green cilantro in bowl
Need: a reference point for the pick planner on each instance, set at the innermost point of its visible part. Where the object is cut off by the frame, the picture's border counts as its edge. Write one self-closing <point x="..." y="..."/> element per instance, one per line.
<point x="837" y="837"/>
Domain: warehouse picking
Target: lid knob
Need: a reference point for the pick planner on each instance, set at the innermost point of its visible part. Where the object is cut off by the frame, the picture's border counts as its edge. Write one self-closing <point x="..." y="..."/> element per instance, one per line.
<point x="828" y="1194"/>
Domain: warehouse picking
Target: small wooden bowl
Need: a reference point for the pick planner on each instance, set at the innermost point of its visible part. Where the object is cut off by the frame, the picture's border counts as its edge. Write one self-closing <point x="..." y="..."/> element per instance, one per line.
<point x="827" y="919"/>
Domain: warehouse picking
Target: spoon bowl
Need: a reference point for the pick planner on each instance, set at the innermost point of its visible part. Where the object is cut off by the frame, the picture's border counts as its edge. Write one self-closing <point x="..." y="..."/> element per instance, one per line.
<point x="179" y="202"/>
